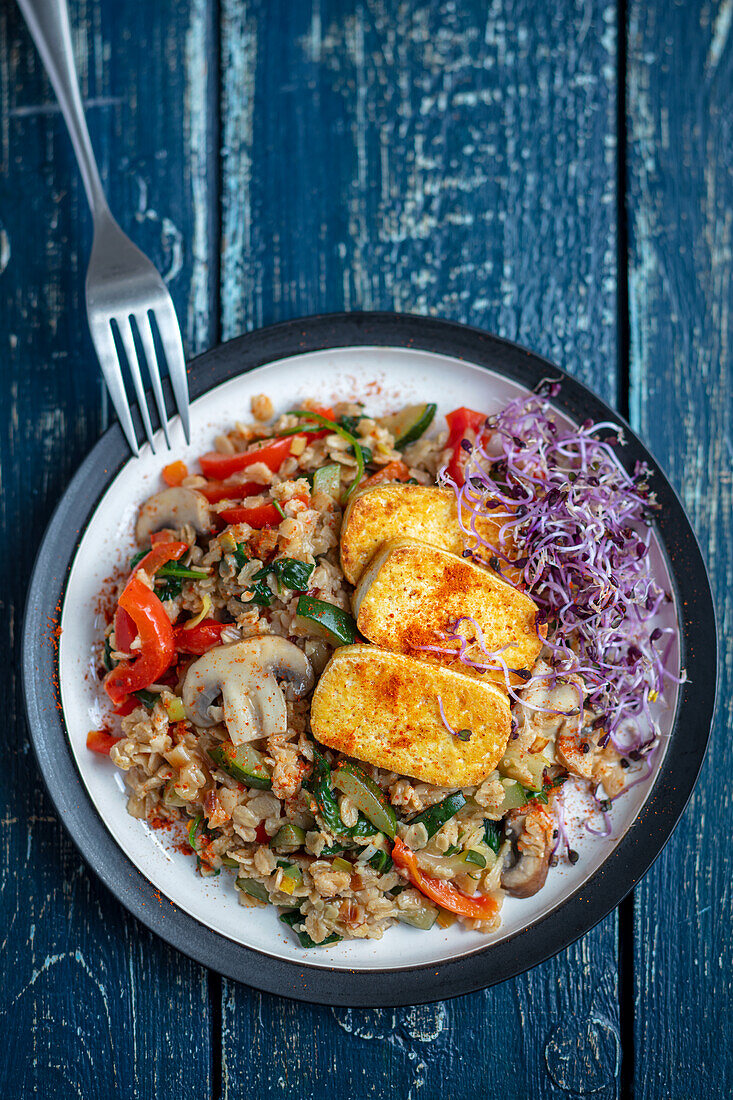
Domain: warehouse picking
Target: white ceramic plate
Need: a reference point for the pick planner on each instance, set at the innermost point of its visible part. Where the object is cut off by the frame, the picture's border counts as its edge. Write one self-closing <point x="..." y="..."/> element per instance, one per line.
<point x="384" y="378"/>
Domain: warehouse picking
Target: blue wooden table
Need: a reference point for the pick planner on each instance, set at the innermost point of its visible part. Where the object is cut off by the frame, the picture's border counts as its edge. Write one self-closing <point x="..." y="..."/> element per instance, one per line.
<point x="558" y="172"/>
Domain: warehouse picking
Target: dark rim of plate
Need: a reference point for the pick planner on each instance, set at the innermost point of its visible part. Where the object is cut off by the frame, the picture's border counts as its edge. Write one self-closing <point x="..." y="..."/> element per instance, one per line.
<point x="319" y="982"/>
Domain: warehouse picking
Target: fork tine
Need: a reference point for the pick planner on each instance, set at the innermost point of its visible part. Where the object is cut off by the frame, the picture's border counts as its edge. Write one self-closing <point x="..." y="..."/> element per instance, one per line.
<point x="104" y="345"/>
<point x="128" y="343"/>
<point x="146" y="338"/>
<point x="170" y="335"/>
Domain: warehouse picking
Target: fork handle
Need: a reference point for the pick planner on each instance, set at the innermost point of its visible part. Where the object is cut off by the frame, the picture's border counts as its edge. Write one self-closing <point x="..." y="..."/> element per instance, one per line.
<point x="48" y="22"/>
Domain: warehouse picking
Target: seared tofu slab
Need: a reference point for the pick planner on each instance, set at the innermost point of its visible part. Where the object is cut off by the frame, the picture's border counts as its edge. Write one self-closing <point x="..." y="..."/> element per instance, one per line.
<point x="411" y="596"/>
<point x="426" y="513"/>
<point x="384" y="708"/>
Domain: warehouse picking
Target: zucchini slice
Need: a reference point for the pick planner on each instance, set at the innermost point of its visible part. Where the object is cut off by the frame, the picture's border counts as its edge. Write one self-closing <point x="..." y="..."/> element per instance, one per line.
<point x="518" y="765"/>
<point x="328" y="480"/>
<point x="461" y="863"/>
<point x="243" y="763"/>
<point x="327" y="620"/>
<point x="436" y="816"/>
<point x="170" y="798"/>
<point x="291" y="871"/>
<point x="423" y="918"/>
<point x="515" y="796"/>
<point x="174" y="707"/>
<point x="408" y="424"/>
<point x="367" y="796"/>
<point x="340" y="864"/>
<point x="254" y="889"/>
<point x="288" y="838"/>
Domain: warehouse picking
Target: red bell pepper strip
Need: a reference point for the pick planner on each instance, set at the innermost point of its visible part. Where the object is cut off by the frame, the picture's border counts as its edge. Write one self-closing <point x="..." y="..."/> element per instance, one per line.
<point x="393" y="471"/>
<point x="157" y="649"/>
<point x="257" y="515"/>
<point x="463" y="424"/>
<point x="174" y="473"/>
<point x="125" y="630"/>
<point x="100" y="741"/>
<point x="440" y="891"/>
<point x="129" y="705"/>
<point x="272" y="452"/>
<point x="214" y="491"/>
<point x="162" y="552"/>
<point x="327" y="414"/>
<point x="200" y="638"/>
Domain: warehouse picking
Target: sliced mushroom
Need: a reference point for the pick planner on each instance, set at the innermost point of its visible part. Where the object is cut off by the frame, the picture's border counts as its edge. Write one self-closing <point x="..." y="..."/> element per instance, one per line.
<point x="246" y="676"/>
<point x="173" y="508"/>
<point x="530" y="833"/>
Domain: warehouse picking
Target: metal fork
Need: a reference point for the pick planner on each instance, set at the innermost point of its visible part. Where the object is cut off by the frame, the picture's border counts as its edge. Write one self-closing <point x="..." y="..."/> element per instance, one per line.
<point x="124" y="292"/>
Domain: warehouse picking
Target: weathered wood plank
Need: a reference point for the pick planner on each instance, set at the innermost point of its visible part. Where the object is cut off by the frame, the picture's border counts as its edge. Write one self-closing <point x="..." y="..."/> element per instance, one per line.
<point x="91" y="1005"/>
<point x="680" y="165"/>
<point x="459" y="163"/>
<point x="456" y="160"/>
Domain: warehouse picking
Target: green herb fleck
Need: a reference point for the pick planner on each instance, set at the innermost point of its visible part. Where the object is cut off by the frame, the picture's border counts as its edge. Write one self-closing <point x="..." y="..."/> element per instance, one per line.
<point x="381" y="861"/>
<point x="194" y="832"/>
<point x="107" y="661"/>
<point x="333" y="850"/>
<point x="261" y="593"/>
<point x="169" y="589"/>
<point x="492" y="835"/>
<point x="292" y="573"/>
<point x="240" y="555"/>
<point x="175" y="569"/>
<point x="147" y="698"/>
<point x="538" y="796"/>
<point x="293" y="917"/>
<point x="350" y="423"/>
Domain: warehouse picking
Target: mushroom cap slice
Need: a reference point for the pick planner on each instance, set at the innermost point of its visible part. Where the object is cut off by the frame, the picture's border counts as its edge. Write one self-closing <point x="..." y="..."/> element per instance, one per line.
<point x="530" y="832"/>
<point x="175" y="508"/>
<point x="246" y="676"/>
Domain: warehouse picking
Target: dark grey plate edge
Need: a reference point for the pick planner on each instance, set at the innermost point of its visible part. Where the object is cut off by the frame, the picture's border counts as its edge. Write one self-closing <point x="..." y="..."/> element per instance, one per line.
<point x="545" y="937"/>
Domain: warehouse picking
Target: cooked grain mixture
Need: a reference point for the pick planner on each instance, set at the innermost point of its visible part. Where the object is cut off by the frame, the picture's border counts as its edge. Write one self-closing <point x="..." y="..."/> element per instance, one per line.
<point x="229" y="615"/>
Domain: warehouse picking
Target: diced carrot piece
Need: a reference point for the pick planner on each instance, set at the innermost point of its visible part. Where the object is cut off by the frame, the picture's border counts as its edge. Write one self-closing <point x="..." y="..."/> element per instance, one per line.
<point x="174" y="473"/>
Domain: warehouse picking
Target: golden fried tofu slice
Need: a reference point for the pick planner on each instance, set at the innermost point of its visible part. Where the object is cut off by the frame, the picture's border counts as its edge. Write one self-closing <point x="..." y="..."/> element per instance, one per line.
<point x="426" y="513"/>
<point x="384" y="708"/>
<point x="411" y="596"/>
